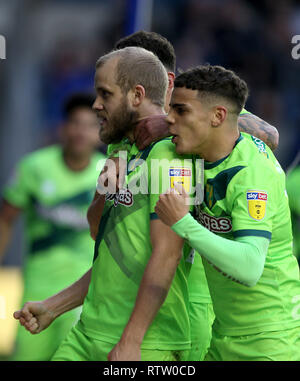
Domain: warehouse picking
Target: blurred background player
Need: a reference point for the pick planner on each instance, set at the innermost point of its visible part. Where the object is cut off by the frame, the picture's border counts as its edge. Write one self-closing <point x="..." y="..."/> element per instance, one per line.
<point x="293" y="190"/>
<point x="53" y="188"/>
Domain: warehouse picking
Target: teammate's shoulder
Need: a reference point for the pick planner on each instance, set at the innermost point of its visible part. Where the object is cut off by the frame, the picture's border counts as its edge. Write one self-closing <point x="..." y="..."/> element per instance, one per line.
<point x="261" y="148"/>
<point x="252" y="146"/>
<point x="44" y="155"/>
<point x="252" y="153"/>
<point x="257" y="164"/>
<point x="165" y="149"/>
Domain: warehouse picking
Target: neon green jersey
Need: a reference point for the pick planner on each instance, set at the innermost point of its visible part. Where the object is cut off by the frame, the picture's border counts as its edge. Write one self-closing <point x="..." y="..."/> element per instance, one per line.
<point x="245" y="196"/>
<point x="198" y="287"/>
<point x="293" y="187"/>
<point x="55" y="200"/>
<point x="122" y="251"/>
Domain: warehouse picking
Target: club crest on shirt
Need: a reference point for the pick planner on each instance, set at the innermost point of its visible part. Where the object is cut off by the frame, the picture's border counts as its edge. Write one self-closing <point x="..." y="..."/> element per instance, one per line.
<point x="181" y="176"/>
<point x="257" y="201"/>
<point x="124" y="197"/>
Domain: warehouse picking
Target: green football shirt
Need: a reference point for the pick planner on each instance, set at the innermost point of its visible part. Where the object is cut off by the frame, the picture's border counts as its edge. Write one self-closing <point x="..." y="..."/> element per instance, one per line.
<point x="123" y="248"/>
<point x="245" y="196"/>
<point x="54" y="200"/>
<point x="198" y="288"/>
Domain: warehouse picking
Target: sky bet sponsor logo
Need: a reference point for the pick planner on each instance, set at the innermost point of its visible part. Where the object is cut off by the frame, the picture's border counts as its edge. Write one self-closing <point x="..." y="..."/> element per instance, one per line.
<point x="180" y="172"/>
<point x="257" y="196"/>
<point x="180" y="176"/>
<point x="257" y="204"/>
<point x="215" y="224"/>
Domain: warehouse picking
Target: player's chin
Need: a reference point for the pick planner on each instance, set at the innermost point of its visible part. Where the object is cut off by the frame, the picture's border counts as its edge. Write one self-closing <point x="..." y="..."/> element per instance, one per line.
<point x="105" y="136"/>
<point x="180" y="149"/>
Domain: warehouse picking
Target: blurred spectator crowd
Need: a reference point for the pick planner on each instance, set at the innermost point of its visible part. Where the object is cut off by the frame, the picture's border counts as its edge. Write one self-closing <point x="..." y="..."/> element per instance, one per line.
<point x="54" y="46"/>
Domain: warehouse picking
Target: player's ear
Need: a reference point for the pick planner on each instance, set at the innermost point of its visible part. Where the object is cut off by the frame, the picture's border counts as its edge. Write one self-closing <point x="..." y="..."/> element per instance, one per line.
<point x="171" y="79"/>
<point x="218" y="116"/>
<point x="137" y="95"/>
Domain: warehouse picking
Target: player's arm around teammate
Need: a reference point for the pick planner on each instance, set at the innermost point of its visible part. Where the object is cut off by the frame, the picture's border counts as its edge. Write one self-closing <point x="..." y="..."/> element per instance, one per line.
<point x="253" y="125"/>
<point x="153" y="130"/>
<point x="154" y="287"/>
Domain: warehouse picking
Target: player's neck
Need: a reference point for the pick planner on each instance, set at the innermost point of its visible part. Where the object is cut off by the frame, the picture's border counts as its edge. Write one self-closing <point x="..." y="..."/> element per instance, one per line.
<point x="220" y="145"/>
<point x="74" y="162"/>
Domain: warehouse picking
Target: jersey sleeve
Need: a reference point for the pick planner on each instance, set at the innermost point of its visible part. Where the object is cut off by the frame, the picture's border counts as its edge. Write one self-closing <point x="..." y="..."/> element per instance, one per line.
<point x="165" y="167"/>
<point x="17" y="191"/>
<point x="253" y="200"/>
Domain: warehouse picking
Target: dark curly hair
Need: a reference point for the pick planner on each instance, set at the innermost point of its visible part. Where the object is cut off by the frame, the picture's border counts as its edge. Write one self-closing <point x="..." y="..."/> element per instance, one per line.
<point x="153" y="42"/>
<point x="77" y="100"/>
<point x="215" y="81"/>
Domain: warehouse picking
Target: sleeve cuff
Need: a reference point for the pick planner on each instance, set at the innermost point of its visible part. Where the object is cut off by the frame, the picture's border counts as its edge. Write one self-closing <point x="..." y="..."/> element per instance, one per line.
<point x="184" y="225"/>
<point x="252" y="232"/>
<point x="153" y="216"/>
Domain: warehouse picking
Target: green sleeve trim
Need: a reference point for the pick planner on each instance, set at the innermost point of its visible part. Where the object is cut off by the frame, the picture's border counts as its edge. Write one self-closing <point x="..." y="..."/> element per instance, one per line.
<point x="252" y="232"/>
<point x="153" y="216"/>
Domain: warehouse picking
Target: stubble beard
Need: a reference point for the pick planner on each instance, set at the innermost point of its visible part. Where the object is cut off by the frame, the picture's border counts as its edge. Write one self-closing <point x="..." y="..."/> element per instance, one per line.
<point x="121" y="123"/>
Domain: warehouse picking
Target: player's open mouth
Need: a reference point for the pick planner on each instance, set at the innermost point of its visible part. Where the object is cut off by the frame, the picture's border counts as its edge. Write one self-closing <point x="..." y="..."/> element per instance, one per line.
<point x="175" y="139"/>
<point x="102" y="121"/>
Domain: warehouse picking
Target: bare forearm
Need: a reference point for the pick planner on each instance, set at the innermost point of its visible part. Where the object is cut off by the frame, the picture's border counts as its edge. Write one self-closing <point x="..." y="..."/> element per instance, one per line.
<point x="153" y="291"/>
<point x="70" y="297"/>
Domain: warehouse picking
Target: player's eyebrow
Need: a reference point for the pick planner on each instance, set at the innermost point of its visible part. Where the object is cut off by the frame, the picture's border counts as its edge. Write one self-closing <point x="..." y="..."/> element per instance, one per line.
<point x="175" y="105"/>
<point x="102" y="88"/>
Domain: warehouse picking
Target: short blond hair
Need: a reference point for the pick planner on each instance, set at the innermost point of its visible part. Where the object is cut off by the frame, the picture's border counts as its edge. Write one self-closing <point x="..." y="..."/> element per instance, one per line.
<point x="138" y="66"/>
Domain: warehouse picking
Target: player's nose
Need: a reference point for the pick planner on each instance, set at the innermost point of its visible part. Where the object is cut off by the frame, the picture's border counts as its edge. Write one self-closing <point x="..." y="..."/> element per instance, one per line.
<point x="97" y="105"/>
<point x="170" y="118"/>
